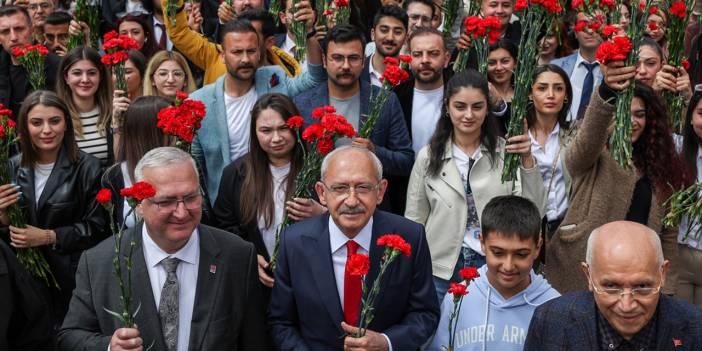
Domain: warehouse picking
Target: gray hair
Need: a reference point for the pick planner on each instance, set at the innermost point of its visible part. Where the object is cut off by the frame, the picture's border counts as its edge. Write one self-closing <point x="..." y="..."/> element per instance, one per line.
<point x="162" y="157"/>
<point x="372" y="156"/>
<point x="651" y="235"/>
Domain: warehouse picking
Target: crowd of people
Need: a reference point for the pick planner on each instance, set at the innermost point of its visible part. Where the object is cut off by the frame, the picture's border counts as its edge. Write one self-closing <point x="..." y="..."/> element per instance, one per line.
<point x="571" y="255"/>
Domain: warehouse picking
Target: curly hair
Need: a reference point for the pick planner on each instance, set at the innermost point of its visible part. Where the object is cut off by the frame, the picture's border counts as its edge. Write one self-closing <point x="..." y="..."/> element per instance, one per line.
<point x="654" y="152"/>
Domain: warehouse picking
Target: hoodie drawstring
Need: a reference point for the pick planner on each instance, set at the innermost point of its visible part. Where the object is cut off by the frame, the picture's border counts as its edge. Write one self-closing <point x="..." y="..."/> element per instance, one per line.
<point x="487" y="315"/>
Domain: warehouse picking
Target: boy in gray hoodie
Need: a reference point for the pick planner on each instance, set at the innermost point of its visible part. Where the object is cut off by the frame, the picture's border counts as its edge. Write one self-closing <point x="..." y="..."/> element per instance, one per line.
<point x="496" y="312"/>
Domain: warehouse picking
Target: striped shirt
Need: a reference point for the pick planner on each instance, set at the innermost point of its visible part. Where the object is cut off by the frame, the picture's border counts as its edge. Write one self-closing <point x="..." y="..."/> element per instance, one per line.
<point x="92" y="142"/>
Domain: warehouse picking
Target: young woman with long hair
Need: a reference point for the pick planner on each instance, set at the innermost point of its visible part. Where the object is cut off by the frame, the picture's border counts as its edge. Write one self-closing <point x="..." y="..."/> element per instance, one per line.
<point x="55" y="184"/>
<point x="455" y="176"/>
<point x="502" y="61"/>
<point x="138" y="29"/>
<point x="256" y="189"/>
<point x="86" y="87"/>
<point x="167" y="73"/>
<point x="551" y="134"/>
<point x="604" y="192"/>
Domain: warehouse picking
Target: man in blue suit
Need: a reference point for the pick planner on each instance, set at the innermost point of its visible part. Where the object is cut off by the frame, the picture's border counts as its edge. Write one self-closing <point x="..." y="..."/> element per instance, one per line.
<point x="224" y="135"/>
<point x="343" y="59"/>
<point x="624" y="309"/>
<point x="314" y="305"/>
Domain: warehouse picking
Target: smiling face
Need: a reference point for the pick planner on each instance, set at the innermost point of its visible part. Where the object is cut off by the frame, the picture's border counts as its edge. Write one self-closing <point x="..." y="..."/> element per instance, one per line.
<point x="500" y="66"/>
<point x="649" y="64"/>
<point x="46" y="126"/>
<point x="638" y="118"/>
<point x="389" y="36"/>
<point x="168" y="78"/>
<point x="468" y="108"/>
<point x="509" y="262"/>
<point x="502" y="9"/>
<point x="83" y="78"/>
<point x="549" y="44"/>
<point x="548" y="93"/>
<point x="274" y="136"/>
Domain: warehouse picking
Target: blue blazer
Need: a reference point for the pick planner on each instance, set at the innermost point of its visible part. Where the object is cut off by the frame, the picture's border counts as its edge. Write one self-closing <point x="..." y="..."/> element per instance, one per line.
<point x="305" y="313"/>
<point x="567" y="63"/>
<point x="390" y="136"/>
<point x="570" y="323"/>
<point x="211" y="144"/>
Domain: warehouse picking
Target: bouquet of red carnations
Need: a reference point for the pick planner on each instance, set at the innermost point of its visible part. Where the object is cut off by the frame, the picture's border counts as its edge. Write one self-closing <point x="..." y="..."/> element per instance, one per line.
<point x="537" y="17"/>
<point x="134" y="195"/>
<point x="459" y="290"/>
<point x="483" y="32"/>
<point x="182" y="119"/>
<point x="678" y="17"/>
<point x="117" y="48"/>
<point x="31" y="258"/>
<point x="316" y="140"/>
<point x="32" y="58"/>
<point x="342" y="11"/>
<point x="393" y="75"/>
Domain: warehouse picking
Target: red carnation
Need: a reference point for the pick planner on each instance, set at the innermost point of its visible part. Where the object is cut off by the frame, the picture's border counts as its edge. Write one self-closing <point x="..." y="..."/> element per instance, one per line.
<point x="642" y="5"/>
<point x="327" y="12"/>
<point x="110" y="35"/>
<point x="312" y="133"/>
<point x="318" y="112"/>
<point x="396" y="242"/>
<point x="616" y="49"/>
<point x="295" y="122"/>
<point x="521" y="5"/>
<point x="607" y="3"/>
<point x="609" y="29"/>
<point x="104" y="196"/>
<point x="653" y="10"/>
<point x="678" y="9"/>
<point x="325" y="145"/>
<point x="457" y="290"/>
<point x="576" y="3"/>
<point x="139" y="191"/>
<point x="469" y="273"/>
<point x="358" y="265"/>
<point x="341" y="3"/>
<point x="11" y="123"/>
<point x="181" y="95"/>
<point x="329" y="109"/>
<point x="580" y="26"/>
<point x="685" y="64"/>
<point x="390" y="61"/>
<point x="595" y="25"/>
<point x="652" y="25"/>
<point x="406" y="58"/>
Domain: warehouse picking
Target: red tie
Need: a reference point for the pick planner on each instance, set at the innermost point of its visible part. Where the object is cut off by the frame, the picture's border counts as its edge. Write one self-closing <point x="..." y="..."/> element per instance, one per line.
<point x="162" y="41"/>
<point x="352" y="288"/>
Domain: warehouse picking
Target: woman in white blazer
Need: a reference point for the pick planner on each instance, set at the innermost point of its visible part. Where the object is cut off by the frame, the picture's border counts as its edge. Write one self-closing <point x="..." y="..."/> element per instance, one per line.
<point x="460" y="170"/>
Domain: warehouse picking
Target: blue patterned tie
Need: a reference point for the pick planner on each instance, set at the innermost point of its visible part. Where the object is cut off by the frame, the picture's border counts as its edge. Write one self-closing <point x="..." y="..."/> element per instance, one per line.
<point x="168" y="305"/>
<point x="587" y="88"/>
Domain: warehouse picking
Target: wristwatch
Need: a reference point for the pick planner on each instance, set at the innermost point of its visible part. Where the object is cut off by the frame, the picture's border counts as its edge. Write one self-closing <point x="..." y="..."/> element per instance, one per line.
<point x="312" y="33"/>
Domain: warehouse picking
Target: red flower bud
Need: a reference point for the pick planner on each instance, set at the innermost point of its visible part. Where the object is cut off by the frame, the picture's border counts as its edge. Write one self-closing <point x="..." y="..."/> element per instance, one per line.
<point x="104" y="196"/>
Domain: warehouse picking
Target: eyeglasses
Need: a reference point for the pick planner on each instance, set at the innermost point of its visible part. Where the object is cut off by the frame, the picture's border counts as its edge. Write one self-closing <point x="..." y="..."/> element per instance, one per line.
<point x="619" y="293"/>
<point x="345" y="190"/>
<point x="190" y="202"/>
<point x="353" y="59"/>
<point x="177" y="74"/>
<point x="43" y="5"/>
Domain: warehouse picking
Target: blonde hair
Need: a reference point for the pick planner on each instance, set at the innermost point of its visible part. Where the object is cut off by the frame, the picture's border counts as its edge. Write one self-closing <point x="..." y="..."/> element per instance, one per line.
<point x="156" y="61"/>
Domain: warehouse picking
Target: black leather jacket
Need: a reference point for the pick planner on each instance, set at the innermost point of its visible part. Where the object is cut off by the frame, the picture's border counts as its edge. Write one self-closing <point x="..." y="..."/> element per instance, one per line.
<point x="67" y="206"/>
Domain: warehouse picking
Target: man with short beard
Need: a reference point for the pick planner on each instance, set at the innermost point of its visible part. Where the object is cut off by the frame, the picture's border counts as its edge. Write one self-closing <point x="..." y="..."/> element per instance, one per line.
<point x="56" y="32"/>
<point x="388" y="33"/>
<point x="351" y="96"/>
<point x="224" y="135"/>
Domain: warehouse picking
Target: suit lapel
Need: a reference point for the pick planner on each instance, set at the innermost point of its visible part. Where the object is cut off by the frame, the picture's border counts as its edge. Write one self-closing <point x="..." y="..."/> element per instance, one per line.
<point x="583" y="331"/>
<point x="320" y="264"/>
<point x="148" y="319"/>
<point x="449" y="172"/>
<point x="25" y="179"/>
<point x="220" y="116"/>
<point x="206" y="289"/>
<point x="56" y="178"/>
<point x="366" y="89"/>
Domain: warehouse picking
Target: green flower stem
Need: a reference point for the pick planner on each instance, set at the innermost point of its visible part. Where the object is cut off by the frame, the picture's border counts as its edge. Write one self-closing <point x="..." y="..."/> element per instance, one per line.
<point x="298" y="28"/>
<point x="274" y="8"/>
<point x="377" y="103"/>
<point x="368" y="300"/>
<point x="450" y="9"/>
<point x="674" y="101"/>
<point x="685" y="203"/>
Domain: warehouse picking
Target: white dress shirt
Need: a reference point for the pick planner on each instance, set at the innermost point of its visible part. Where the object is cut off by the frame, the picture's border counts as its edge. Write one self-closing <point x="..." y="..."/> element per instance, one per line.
<point x="576" y="81"/>
<point x="691" y="240"/>
<point x="374" y="75"/>
<point x="189" y="256"/>
<point x="288" y="46"/>
<point x="337" y="241"/>
<point x="557" y="202"/>
<point x="128" y="218"/>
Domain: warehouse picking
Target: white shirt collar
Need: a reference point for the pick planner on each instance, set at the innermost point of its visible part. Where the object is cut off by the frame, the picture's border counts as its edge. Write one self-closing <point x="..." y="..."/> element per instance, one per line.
<point x="338" y="239"/>
<point x="153" y="254"/>
<point x="372" y="70"/>
<point x="289" y="43"/>
<point x="554" y="133"/>
<point x="581" y="59"/>
<point x="156" y="21"/>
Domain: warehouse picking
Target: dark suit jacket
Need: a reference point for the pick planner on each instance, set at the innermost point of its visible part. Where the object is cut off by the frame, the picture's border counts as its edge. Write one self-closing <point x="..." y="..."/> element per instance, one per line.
<point x="305" y="312"/>
<point x="24" y="323"/>
<point x="7" y="92"/>
<point x="570" y="323"/>
<point x="392" y="142"/>
<point x="67" y="206"/>
<point x="227" y="313"/>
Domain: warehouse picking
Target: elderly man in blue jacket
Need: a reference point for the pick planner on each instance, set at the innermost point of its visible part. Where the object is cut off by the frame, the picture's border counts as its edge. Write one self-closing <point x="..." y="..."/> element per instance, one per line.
<point x="351" y="96"/>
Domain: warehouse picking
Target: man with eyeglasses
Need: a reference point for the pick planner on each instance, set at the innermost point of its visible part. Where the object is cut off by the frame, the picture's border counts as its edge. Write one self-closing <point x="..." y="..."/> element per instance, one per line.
<point x="197" y="286"/>
<point x="624" y="309"/>
<point x="351" y="96"/>
<point x="38" y="11"/>
<point x="315" y="304"/>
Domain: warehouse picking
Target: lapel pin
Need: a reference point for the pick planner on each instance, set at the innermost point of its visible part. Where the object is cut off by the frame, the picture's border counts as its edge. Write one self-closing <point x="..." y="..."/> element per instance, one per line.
<point x="213" y="268"/>
<point x="677" y="342"/>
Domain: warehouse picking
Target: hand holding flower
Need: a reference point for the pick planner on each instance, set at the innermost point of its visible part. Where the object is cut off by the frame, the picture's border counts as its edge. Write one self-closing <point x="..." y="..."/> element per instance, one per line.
<point x="371" y="341"/>
<point x="30" y="236"/>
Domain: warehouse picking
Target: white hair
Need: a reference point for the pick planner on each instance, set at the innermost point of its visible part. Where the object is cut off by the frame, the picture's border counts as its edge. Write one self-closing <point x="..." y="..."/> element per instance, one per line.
<point x="372" y="156"/>
<point x="651" y="235"/>
<point x="162" y="157"/>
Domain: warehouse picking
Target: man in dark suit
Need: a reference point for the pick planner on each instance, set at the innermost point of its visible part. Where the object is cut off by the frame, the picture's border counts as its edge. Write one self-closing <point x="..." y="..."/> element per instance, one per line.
<point x="314" y="304"/>
<point x="16" y="30"/>
<point x="197" y="286"/>
<point x="389" y="34"/>
<point x="351" y="96"/>
<point x="624" y="309"/>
